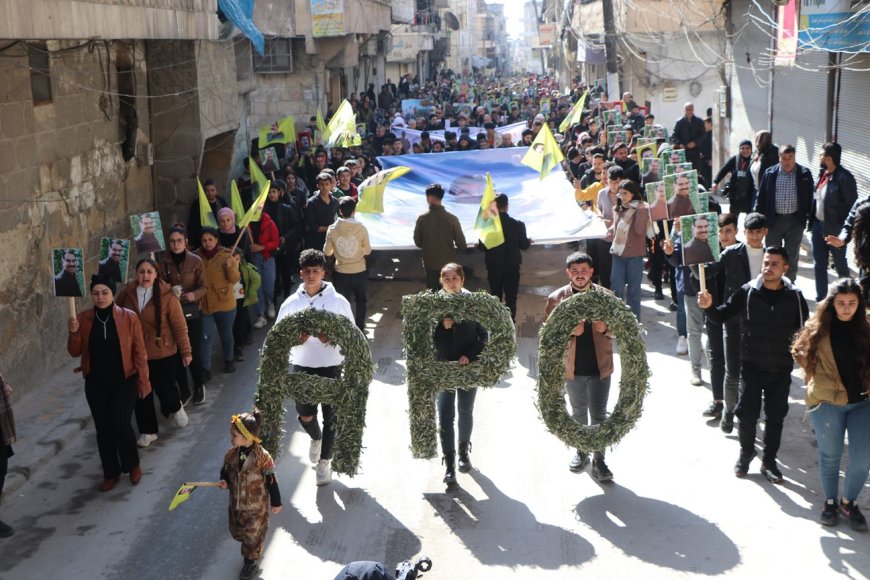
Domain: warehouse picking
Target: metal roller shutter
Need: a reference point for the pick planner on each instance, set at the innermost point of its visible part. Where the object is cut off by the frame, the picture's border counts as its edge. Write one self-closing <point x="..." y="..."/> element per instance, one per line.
<point x="801" y="108"/>
<point x="748" y="78"/>
<point x="854" y="125"/>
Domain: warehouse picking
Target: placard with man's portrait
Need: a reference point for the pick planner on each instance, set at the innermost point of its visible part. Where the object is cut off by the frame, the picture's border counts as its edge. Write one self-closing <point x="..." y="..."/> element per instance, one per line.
<point x="657" y="199"/>
<point x="147" y="233"/>
<point x="700" y="235"/>
<point x="68" y="271"/>
<point x="114" y="259"/>
<point x="682" y="191"/>
<point x="674" y="168"/>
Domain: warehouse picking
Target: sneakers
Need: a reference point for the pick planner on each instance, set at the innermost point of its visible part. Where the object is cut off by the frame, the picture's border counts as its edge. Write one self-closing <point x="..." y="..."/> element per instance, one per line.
<point x="600" y="471"/>
<point x="270" y="312"/>
<point x="856" y="519"/>
<point x="249" y="570"/>
<point x="579" y="463"/>
<point x="727" y="422"/>
<point x="714" y="410"/>
<point x="673" y="306"/>
<point x="682" y="346"/>
<point x="5" y="530"/>
<point x="146" y="439"/>
<point x="240" y="356"/>
<point x="229" y="367"/>
<point x="314" y="450"/>
<point x="771" y="472"/>
<point x="658" y="294"/>
<point x="829" y="514"/>
<point x="260" y="323"/>
<point x="741" y="468"/>
<point x="180" y="418"/>
<point x="199" y="396"/>
<point x="324" y="471"/>
<point x="696" y="381"/>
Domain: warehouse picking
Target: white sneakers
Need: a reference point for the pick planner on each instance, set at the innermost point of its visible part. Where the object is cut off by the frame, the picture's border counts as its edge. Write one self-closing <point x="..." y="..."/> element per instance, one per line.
<point x="697" y="381"/>
<point x="314" y="450"/>
<point x="146" y="439"/>
<point x="270" y="312"/>
<point x="180" y="418"/>
<point x="324" y="471"/>
<point x="261" y="322"/>
<point x="682" y="346"/>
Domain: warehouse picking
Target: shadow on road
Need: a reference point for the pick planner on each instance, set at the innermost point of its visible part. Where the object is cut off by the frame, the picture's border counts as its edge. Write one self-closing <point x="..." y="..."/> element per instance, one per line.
<point x="354" y="526"/>
<point x="502" y="531"/>
<point x="659" y="532"/>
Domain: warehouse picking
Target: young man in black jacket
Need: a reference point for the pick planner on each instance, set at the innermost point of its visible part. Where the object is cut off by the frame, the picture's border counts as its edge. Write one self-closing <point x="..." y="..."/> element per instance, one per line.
<point x="738" y="264"/>
<point x="772" y="309"/>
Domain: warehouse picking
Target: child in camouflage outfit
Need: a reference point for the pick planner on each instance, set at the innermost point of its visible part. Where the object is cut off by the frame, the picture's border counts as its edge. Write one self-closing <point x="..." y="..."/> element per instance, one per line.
<point x="249" y="474"/>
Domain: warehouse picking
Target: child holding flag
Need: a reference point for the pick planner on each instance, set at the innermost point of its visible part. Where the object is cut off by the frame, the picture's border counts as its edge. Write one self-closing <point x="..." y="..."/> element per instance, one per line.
<point x="249" y="474"/>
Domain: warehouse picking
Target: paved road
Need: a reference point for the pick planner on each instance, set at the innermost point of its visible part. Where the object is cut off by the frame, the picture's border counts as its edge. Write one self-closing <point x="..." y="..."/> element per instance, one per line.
<point x="674" y="510"/>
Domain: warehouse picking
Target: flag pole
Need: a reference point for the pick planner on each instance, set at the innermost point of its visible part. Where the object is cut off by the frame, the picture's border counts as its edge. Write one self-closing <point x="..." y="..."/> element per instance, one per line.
<point x="203" y="483"/>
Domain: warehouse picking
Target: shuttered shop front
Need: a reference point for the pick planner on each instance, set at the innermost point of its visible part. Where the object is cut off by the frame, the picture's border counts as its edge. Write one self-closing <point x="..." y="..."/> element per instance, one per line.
<point x="801" y="108"/>
<point x="854" y="119"/>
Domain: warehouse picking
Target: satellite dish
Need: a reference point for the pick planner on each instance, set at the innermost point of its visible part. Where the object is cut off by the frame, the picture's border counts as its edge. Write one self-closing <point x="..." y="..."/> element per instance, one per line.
<point x="451" y="20"/>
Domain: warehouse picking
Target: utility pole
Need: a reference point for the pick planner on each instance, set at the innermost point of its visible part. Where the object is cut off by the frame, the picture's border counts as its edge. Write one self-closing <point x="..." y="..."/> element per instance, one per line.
<point x="538" y="16"/>
<point x="613" y="91"/>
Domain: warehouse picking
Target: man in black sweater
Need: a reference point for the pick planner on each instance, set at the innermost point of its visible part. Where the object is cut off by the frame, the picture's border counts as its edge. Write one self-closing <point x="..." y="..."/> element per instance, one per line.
<point x="503" y="261"/>
<point x="772" y="309"/>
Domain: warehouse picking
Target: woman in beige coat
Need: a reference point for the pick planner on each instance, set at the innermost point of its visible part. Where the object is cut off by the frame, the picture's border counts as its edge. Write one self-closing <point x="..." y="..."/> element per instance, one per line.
<point x="219" y="303"/>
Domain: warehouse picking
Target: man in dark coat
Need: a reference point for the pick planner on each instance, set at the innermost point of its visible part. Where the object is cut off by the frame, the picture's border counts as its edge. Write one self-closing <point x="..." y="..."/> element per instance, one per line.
<point x="785" y="197"/>
<point x="503" y="261"/>
<point x="688" y="131"/>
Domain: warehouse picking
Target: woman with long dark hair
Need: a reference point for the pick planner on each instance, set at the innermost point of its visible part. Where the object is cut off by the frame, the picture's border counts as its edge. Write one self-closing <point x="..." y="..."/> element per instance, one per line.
<point x="219" y="302"/>
<point x="184" y="272"/>
<point x="833" y="348"/>
<point x="861" y="237"/>
<point x="165" y="334"/>
<point x="629" y="232"/>
<point x="114" y="363"/>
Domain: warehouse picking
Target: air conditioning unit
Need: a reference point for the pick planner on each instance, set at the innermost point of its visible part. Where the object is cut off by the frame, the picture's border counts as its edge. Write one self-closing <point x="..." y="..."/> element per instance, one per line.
<point x="144" y="154"/>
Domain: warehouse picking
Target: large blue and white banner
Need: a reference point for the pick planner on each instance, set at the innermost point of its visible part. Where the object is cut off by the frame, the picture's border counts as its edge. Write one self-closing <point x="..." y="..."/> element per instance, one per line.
<point x="547" y="206"/>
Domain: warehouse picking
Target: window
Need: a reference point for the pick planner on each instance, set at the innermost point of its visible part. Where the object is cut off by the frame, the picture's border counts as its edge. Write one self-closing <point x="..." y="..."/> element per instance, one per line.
<point x="40" y="73"/>
<point x="278" y="57"/>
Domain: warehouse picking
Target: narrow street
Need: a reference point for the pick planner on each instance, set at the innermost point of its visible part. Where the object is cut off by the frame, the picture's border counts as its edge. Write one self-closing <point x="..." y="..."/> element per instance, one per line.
<point x="674" y="509"/>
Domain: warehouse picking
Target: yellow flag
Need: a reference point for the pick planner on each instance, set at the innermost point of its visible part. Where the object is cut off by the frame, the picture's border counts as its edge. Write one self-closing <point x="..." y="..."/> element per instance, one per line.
<point x="257" y="176"/>
<point x="284" y="131"/>
<point x="544" y="154"/>
<point x="371" y="191"/>
<point x="206" y="215"/>
<point x="487" y="226"/>
<point x="343" y="122"/>
<point x="321" y="126"/>
<point x="255" y="212"/>
<point x="236" y="201"/>
<point x="181" y="496"/>
<point x="575" y="115"/>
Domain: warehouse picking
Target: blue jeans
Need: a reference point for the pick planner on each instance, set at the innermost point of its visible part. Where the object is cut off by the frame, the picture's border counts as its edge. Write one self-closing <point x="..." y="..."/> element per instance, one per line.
<point x="831" y="423"/>
<point x="820" y="260"/>
<point x="447" y="412"/>
<point x="224" y="322"/>
<point x="627" y="271"/>
<point x="266" y="292"/>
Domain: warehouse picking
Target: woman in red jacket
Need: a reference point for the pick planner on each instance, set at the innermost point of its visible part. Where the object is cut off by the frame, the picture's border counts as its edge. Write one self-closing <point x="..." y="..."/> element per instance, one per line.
<point x="115" y="366"/>
<point x="265" y="234"/>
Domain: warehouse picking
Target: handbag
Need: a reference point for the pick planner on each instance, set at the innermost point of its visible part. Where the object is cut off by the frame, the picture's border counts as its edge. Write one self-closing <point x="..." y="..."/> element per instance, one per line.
<point x="191" y="310"/>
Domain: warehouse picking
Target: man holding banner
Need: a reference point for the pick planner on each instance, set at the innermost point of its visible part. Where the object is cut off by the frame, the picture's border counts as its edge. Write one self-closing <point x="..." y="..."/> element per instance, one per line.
<point x="503" y="261"/>
<point x="437" y="232"/>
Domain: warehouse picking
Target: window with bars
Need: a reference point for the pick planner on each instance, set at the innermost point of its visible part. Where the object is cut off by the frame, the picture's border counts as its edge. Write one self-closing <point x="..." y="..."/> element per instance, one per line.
<point x="277" y="57"/>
